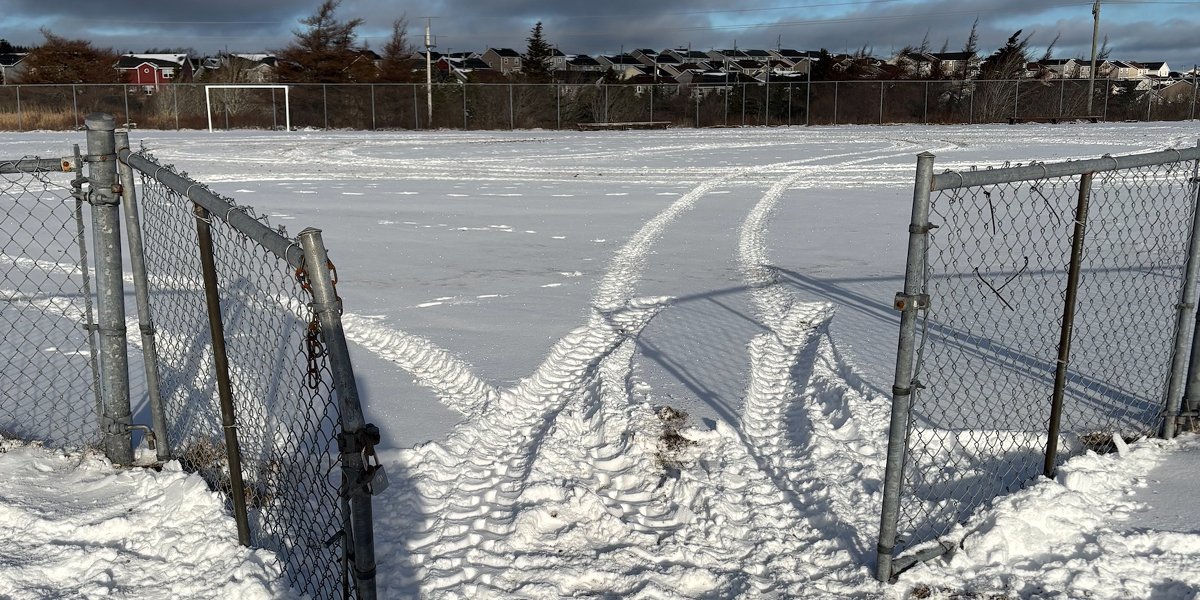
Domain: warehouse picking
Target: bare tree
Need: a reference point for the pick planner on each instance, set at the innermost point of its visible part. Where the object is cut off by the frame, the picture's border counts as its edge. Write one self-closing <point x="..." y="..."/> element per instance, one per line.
<point x="60" y="60"/>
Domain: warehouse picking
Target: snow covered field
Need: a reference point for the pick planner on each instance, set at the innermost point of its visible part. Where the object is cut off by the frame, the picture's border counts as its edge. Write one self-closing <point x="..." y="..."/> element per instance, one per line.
<point x="626" y="364"/>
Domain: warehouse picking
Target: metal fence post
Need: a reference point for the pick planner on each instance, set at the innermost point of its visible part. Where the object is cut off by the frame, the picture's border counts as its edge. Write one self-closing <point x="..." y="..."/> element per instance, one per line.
<point x="325" y="103"/>
<point x="110" y="291"/>
<point x="20" y="124"/>
<point x="1068" y="324"/>
<point x="909" y="302"/>
<point x="372" y="105"/>
<point x="558" y="105"/>
<point x="925" y="116"/>
<point x="74" y="105"/>
<point x="359" y="478"/>
<point x="141" y="287"/>
<point x="1016" y="98"/>
<point x="1186" y="310"/>
<point x="416" y="109"/>
<point x="835" y="102"/>
<point x="175" y="99"/>
<point x="512" y="119"/>
<point x="464" y="95"/>
<point x="216" y="326"/>
<point x="881" y="101"/>
<point x="1191" y="392"/>
<point x="808" y="99"/>
<point x="125" y="89"/>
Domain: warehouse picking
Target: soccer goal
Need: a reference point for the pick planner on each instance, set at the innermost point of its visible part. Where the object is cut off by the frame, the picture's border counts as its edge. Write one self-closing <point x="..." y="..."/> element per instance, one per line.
<point x="287" y="106"/>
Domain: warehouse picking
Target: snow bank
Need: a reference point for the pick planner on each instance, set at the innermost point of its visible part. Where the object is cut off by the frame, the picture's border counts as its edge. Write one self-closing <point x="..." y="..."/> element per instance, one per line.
<point x="72" y="526"/>
<point x="1082" y="535"/>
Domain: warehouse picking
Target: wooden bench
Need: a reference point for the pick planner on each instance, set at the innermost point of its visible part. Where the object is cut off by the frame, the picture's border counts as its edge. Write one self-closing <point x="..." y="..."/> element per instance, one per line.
<point x="626" y="125"/>
<point x="1054" y="120"/>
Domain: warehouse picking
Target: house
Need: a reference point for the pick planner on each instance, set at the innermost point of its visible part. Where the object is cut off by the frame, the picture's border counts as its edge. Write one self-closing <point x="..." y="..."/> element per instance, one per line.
<point x="761" y="56"/>
<point x="1124" y="70"/>
<point x="11" y="67"/>
<point x="465" y="67"/>
<point x="583" y="63"/>
<point x="150" y="71"/>
<point x="647" y="56"/>
<point x="623" y="66"/>
<point x="685" y="55"/>
<point x="1154" y="69"/>
<point x="1060" y="68"/>
<point x="558" y="60"/>
<point x="677" y="69"/>
<point x="239" y="68"/>
<point x="794" y="60"/>
<point x="1181" y="91"/>
<point x="504" y="60"/>
<point x="724" y="55"/>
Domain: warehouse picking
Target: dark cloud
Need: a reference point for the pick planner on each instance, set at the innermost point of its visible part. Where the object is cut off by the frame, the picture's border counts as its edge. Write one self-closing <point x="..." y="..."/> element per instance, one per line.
<point x="1138" y="32"/>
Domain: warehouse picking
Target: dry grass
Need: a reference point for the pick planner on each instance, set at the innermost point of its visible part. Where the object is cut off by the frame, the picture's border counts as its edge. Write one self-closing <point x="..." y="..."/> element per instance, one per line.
<point x="671" y="445"/>
<point x="926" y="592"/>
<point x="207" y="459"/>
<point x="37" y="119"/>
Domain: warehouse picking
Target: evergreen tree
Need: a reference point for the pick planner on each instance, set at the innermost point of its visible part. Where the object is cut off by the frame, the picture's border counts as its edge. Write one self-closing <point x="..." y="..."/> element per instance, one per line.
<point x="398" y="62"/>
<point x="538" y="54"/>
<point x="971" y="48"/>
<point x="60" y="60"/>
<point x="1009" y="61"/>
<point x="325" y="51"/>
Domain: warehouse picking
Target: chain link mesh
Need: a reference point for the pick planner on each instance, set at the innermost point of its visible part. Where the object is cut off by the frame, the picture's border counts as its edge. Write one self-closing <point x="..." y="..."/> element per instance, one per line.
<point x="286" y="412"/>
<point x="48" y="379"/>
<point x="987" y="347"/>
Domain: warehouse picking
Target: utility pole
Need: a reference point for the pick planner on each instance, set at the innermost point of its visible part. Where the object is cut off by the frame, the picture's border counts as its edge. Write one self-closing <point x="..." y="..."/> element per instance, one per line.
<point x="1092" y="73"/>
<point x="429" y="70"/>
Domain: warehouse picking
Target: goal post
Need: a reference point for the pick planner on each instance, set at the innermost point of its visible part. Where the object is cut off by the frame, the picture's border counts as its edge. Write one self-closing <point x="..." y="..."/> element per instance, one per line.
<point x="287" y="105"/>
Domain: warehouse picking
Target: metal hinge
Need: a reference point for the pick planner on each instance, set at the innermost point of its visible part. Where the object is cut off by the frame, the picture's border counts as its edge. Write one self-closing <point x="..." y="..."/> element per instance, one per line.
<point x="919" y="301"/>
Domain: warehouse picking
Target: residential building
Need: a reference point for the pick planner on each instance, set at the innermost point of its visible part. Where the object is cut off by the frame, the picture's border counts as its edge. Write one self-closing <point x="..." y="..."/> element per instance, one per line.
<point x="504" y="60"/>
<point x="150" y="71"/>
<point x="11" y="66"/>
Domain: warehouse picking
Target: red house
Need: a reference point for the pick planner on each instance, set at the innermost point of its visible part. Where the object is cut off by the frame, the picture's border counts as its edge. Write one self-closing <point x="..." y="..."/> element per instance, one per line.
<point x="153" y="70"/>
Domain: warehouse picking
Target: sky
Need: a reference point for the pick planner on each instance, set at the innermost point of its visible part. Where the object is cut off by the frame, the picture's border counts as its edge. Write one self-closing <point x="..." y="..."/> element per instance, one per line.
<point x="1145" y="31"/>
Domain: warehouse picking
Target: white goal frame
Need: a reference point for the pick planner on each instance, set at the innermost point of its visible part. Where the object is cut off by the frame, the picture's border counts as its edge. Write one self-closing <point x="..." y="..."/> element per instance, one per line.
<point x="287" y="105"/>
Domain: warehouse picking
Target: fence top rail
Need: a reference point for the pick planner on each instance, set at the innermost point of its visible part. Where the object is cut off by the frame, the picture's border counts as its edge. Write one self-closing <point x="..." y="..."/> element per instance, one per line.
<point x="219" y="208"/>
<point x="32" y="164"/>
<point x="964" y="179"/>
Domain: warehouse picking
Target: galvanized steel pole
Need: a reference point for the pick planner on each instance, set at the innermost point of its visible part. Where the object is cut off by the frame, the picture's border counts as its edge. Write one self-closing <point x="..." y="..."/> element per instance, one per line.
<point x="1092" y="72"/>
<point x="1068" y="324"/>
<point x="104" y="195"/>
<point x="141" y="287"/>
<point x="1191" y="392"/>
<point x="357" y="438"/>
<point x="1185" y="319"/>
<point x="908" y="302"/>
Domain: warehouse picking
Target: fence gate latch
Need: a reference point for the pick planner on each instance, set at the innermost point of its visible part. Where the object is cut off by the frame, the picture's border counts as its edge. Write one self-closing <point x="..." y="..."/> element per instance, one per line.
<point x="373" y="478"/>
<point x="919" y="301"/>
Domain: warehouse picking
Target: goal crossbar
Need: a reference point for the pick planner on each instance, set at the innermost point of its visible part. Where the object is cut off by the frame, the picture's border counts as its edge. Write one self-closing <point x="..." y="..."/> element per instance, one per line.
<point x="287" y="105"/>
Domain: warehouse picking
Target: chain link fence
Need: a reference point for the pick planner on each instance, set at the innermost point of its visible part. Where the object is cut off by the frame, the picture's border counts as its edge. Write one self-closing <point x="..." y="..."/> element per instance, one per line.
<point x="1046" y="310"/>
<point x="48" y="378"/>
<point x="240" y="345"/>
<point x="565" y="106"/>
<point x="248" y="378"/>
<point x="278" y="376"/>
